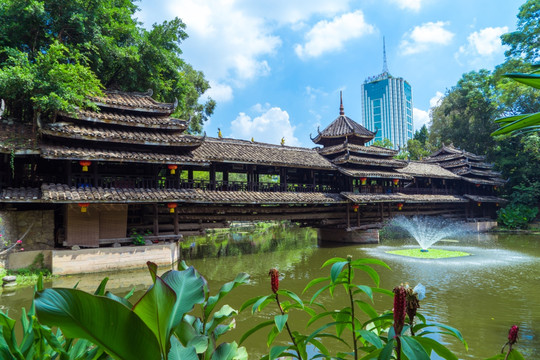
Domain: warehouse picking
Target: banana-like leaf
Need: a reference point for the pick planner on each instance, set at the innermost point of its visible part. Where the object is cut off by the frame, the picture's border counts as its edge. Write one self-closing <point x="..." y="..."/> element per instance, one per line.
<point x="241" y="278"/>
<point x="532" y="120"/>
<point x="156" y="309"/>
<point x="100" y="291"/>
<point x="179" y="352"/>
<point x="189" y="288"/>
<point x="527" y="79"/>
<point x="103" y="321"/>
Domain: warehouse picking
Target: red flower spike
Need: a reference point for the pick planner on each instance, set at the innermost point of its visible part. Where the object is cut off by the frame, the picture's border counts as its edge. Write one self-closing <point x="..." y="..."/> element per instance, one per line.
<point x="274" y="279"/>
<point x="400" y="305"/>
<point x="513" y="334"/>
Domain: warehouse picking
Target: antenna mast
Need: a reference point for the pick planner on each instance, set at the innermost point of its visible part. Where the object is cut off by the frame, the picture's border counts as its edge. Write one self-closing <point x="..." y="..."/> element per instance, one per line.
<point x="385" y="65"/>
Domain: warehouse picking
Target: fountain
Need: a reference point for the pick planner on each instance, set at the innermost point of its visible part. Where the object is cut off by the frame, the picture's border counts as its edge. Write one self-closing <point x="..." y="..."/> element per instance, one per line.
<point x="427" y="231"/>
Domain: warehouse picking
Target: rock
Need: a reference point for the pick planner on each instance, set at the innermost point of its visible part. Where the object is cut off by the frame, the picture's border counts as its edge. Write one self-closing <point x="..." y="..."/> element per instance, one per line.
<point x="116" y="245"/>
<point x="148" y="242"/>
<point x="75" y="247"/>
<point x="9" y="278"/>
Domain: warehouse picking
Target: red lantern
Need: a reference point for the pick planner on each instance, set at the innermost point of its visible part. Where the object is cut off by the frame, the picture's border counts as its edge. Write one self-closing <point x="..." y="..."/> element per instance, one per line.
<point x="395" y="181"/>
<point x="497" y="204"/>
<point x="171" y="207"/>
<point x="494" y="187"/>
<point x="400" y="206"/>
<point x="479" y="203"/>
<point x="173" y="168"/>
<point x="83" y="206"/>
<point x="85" y="164"/>
<point x="477" y="185"/>
<point x="355" y="207"/>
<point x="363" y="180"/>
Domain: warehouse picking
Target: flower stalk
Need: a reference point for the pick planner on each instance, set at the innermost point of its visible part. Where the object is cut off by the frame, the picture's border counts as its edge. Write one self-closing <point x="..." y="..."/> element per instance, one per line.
<point x="274" y="282"/>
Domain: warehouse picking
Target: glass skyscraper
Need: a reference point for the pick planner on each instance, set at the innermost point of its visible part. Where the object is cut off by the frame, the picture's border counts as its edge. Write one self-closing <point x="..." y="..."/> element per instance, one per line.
<point x="387" y="107"/>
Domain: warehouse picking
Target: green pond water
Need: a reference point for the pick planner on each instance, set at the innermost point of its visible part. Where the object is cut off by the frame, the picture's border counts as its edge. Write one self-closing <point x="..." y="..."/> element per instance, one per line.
<point x="482" y="295"/>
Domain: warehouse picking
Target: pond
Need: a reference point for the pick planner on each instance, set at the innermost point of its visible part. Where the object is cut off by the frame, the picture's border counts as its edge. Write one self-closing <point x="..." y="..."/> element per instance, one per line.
<point x="482" y="295"/>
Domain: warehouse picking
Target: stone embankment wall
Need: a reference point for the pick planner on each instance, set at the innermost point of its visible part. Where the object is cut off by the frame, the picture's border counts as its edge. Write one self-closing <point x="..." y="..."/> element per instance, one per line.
<point x="68" y="262"/>
<point x="40" y="236"/>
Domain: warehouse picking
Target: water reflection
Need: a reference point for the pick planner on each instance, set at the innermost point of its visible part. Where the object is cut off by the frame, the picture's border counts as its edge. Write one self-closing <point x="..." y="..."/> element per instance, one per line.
<point x="482" y="295"/>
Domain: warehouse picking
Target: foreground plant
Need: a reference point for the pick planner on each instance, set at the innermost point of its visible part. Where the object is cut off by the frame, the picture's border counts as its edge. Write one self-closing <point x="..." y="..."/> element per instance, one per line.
<point x="156" y="327"/>
<point x="358" y="326"/>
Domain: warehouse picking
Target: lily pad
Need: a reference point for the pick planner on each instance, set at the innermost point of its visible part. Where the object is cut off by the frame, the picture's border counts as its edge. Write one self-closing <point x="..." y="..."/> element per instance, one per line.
<point x="430" y="254"/>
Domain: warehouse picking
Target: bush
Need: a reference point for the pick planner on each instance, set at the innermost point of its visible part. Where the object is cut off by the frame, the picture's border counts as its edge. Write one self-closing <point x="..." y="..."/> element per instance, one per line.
<point x="516" y="216"/>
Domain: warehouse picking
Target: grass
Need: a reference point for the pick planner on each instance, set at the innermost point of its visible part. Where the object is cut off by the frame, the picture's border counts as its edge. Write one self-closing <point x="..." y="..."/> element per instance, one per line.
<point x="431" y="254"/>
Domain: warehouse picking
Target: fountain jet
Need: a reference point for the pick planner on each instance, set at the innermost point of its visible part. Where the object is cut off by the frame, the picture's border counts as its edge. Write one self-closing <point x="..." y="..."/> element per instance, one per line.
<point x="428" y="230"/>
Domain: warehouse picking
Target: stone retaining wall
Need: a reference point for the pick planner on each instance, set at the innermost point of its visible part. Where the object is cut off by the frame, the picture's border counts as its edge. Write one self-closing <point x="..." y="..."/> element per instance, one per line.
<point x="16" y="223"/>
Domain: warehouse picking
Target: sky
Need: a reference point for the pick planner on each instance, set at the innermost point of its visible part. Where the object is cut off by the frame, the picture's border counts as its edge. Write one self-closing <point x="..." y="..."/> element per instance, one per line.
<point x="276" y="67"/>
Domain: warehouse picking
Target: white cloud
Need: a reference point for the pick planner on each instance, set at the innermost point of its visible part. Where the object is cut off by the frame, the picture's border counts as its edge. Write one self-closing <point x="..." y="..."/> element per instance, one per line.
<point x="482" y="46"/>
<point x="331" y="35"/>
<point x="423" y="37"/>
<point x="420" y="118"/>
<point x="228" y="43"/>
<point x="435" y="101"/>
<point x="270" y="126"/>
<point x="219" y="92"/>
<point x="409" y="4"/>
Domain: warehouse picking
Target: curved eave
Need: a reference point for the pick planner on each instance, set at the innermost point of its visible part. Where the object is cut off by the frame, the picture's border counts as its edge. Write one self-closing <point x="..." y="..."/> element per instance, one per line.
<point x="320" y="137"/>
<point x="173" y="124"/>
<point x="374" y="174"/>
<point x="186" y="143"/>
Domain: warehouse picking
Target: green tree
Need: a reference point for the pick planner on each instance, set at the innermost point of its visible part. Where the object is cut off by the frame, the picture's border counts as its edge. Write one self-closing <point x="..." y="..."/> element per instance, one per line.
<point x="418" y="151"/>
<point x="525" y="41"/>
<point x="106" y="39"/>
<point x="422" y="135"/>
<point x="385" y="143"/>
<point x="466" y="113"/>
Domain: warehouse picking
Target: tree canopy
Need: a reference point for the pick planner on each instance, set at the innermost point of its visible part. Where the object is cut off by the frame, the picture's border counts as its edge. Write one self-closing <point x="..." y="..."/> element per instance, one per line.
<point x="56" y="53"/>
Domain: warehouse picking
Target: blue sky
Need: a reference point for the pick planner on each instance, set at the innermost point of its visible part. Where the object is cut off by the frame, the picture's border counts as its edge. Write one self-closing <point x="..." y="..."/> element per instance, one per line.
<point x="276" y="66"/>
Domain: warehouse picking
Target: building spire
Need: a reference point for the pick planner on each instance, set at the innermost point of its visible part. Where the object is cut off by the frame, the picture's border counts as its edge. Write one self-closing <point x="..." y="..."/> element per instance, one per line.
<point x="385" y="65"/>
<point x="341" y="109"/>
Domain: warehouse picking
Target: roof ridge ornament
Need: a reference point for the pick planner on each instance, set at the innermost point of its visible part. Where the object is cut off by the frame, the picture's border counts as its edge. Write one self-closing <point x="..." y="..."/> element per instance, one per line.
<point x="341" y="109"/>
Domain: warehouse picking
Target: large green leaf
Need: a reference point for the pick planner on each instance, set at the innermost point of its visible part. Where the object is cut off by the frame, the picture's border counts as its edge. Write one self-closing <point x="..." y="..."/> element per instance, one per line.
<point x="439" y="348"/>
<point x="156" y="309"/>
<point x="336" y="270"/>
<point x="280" y="321"/>
<point x="413" y="349"/>
<point x="527" y="79"/>
<point x="529" y="121"/>
<point x="372" y="338"/>
<point x="179" y="352"/>
<point x="229" y="351"/>
<point x="103" y="321"/>
<point x="189" y="288"/>
<point x="212" y="301"/>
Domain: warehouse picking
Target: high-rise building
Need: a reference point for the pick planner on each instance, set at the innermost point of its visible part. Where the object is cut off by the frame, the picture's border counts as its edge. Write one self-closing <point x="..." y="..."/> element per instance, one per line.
<point x="387" y="106"/>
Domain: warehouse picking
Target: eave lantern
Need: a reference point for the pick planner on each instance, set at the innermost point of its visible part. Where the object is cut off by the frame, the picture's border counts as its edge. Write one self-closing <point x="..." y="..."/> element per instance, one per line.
<point x="85" y="164"/>
<point x="172" y="168"/>
<point x="363" y="180"/>
<point x="171" y="207"/>
<point x="400" y="206"/>
<point x="479" y="203"/>
<point x="355" y="207"/>
<point x="395" y="181"/>
<point x="84" y="207"/>
<point x="477" y="185"/>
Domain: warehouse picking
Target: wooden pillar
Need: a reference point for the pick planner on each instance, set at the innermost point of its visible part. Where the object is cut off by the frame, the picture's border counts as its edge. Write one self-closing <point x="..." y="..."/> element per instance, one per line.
<point x="212" y="177"/>
<point x="226" y="179"/>
<point x="190" y="178"/>
<point x="283" y="179"/>
<point x="94" y="175"/>
<point x="389" y="210"/>
<point x="68" y="172"/>
<point x="381" y="213"/>
<point x="175" y="220"/>
<point x="156" y="220"/>
<point x="358" y="217"/>
<point x="348" y="215"/>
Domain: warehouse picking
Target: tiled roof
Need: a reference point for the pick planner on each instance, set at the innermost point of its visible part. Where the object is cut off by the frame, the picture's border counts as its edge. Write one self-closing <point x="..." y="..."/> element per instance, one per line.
<point x="486" y="199"/>
<point x="359" y="173"/>
<point x="240" y="151"/>
<point x="492" y="181"/>
<point x="23" y="194"/>
<point x="427" y="170"/>
<point x="351" y="159"/>
<point x="352" y="148"/>
<point x="404" y="198"/>
<point x="67" y="153"/>
<point x="133" y="101"/>
<point x="450" y="149"/>
<point x="146" y="137"/>
<point x="344" y="126"/>
<point x="17" y="137"/>
<point x="466" y="170"/>
<point x="128" y="119"/>
<point x="463" y="162"/>
<point x="66" y="194"/>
